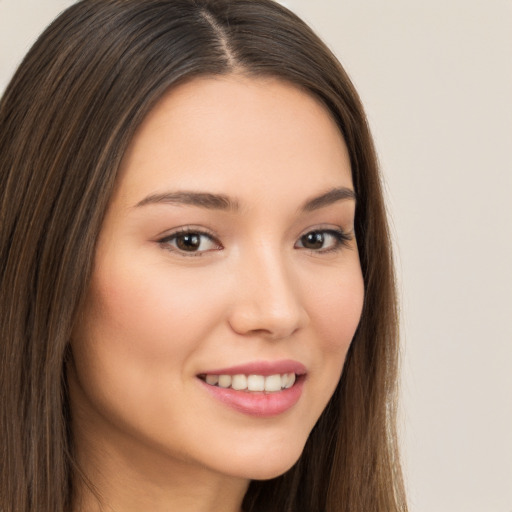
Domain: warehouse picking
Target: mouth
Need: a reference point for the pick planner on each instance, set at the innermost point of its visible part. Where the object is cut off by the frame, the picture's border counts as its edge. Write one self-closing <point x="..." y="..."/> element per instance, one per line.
<point x="252" y="382"/>
<point x="261" y="389"/>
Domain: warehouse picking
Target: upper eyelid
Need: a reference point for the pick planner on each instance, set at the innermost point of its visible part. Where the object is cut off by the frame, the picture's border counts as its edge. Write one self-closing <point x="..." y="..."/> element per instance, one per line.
<point x="328" y="229"/>
<point x="346" y="234"/>
<point x="184" y="230"/>
<point x="164" y="242"/>
<point x="339" y="233"/>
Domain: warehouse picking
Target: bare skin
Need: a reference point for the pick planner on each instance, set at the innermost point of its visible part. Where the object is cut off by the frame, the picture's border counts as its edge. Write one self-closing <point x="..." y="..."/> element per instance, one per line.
<point x="229" y="241"/>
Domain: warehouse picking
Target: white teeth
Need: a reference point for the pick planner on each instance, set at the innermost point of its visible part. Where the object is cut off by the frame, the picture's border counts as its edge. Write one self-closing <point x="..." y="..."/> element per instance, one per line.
<point x="291" y="381"/>
<point x="225" y="381"/>
<point x="212" y="379"/>
<point x="273" y="383"/>
<point x="256" y="383"/>
<point x="240" y="382"/>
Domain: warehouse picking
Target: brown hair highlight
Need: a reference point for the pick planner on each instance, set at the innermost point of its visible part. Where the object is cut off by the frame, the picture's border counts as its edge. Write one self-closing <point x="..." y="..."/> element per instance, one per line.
<point x="66" y="120"/>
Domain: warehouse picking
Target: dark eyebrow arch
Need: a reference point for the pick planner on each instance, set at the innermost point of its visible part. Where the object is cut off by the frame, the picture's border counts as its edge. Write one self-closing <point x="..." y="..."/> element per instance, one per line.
<point x="331" y="196"/>
<point x="222" y="202"/>
<point x="200" y="199"/>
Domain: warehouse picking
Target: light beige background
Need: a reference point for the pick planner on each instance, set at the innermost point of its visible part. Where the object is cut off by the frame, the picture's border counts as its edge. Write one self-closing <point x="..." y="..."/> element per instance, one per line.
<point x="436" y="79"/>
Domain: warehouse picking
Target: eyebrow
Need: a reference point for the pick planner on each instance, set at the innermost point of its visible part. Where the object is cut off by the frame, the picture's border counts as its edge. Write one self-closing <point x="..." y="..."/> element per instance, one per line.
<point x="331" y="196"/>
<point x="223" y="202"/>
<point x="201" y="199"/>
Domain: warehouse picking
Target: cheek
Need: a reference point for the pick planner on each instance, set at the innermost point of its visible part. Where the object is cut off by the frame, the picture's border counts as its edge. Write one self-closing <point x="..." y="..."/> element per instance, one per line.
<point x="337" y="311"/>
<point x="149" y="312"/>
<point x="138" y="332"/>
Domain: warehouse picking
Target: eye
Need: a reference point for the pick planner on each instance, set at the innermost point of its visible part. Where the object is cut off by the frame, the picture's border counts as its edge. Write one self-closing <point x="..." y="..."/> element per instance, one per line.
<point x="192" y="242"/>
<point x="323" y="240"/>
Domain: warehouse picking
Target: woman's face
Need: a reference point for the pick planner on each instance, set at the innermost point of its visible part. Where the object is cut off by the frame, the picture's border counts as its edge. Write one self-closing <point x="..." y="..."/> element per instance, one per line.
<point x="227" y="259"/>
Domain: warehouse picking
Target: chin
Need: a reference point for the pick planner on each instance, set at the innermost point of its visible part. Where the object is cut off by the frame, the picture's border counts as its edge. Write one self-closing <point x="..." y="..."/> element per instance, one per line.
<point x="268" y="464"/>
<point x="268" y="473"/>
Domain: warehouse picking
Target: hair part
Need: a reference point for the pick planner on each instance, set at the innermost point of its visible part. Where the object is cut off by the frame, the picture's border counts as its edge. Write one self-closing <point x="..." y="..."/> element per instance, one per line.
<point x="66" y="119"/>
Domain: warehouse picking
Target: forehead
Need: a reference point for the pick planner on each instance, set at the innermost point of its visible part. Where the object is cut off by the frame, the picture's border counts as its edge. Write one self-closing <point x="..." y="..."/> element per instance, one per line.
<point x="236" y="134"/>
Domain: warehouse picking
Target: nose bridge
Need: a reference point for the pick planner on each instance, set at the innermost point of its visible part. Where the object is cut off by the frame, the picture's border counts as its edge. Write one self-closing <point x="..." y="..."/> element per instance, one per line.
<point x="268" y="299"/>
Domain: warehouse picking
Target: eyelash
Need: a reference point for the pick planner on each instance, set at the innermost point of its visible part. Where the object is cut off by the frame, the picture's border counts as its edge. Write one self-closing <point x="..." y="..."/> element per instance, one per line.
<point x="166" y="241"/>
<point x="341" y="239"/>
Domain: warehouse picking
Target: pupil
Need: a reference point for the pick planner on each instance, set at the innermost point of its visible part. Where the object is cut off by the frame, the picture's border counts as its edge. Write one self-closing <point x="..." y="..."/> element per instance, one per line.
<point x="188" y="242"/>
<point x="313" y="240"/>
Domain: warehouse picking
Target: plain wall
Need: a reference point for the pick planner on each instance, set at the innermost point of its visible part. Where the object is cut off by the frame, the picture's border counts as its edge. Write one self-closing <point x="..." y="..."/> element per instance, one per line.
<point x="436" y="79"/>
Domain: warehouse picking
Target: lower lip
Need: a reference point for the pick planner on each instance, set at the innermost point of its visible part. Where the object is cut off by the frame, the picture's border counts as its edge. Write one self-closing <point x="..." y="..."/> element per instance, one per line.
<point x="259" y="404"/>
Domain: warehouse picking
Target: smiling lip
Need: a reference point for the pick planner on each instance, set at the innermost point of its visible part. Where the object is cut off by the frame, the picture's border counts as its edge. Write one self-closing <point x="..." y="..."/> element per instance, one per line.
<point x="260" y="404"/>
<point x="264" y="368"/>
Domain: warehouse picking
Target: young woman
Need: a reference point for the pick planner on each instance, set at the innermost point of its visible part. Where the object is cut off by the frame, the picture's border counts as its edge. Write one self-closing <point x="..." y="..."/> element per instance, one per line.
<point x="197" y="297"/>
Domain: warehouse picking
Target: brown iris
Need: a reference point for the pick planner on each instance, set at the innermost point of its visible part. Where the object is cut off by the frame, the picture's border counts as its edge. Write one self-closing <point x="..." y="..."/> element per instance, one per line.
<point x="188" y="241"/>
<point x="313" y="240"/>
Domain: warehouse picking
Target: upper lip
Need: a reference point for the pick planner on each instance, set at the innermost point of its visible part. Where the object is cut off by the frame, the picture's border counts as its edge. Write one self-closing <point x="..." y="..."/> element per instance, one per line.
<point x="264" y="368"/>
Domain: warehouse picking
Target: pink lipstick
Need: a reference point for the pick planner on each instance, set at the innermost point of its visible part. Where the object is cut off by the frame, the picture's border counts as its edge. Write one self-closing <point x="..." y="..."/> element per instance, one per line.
<point x="262" y="388"/>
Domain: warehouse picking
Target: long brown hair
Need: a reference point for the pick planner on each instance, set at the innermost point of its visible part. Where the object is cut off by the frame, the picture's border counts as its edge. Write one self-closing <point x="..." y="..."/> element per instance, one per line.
<point x="66" y="119"/>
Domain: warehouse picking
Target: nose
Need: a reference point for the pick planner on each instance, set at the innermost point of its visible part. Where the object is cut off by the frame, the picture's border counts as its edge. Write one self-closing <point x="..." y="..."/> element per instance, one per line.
<point x="267" y="299"/>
